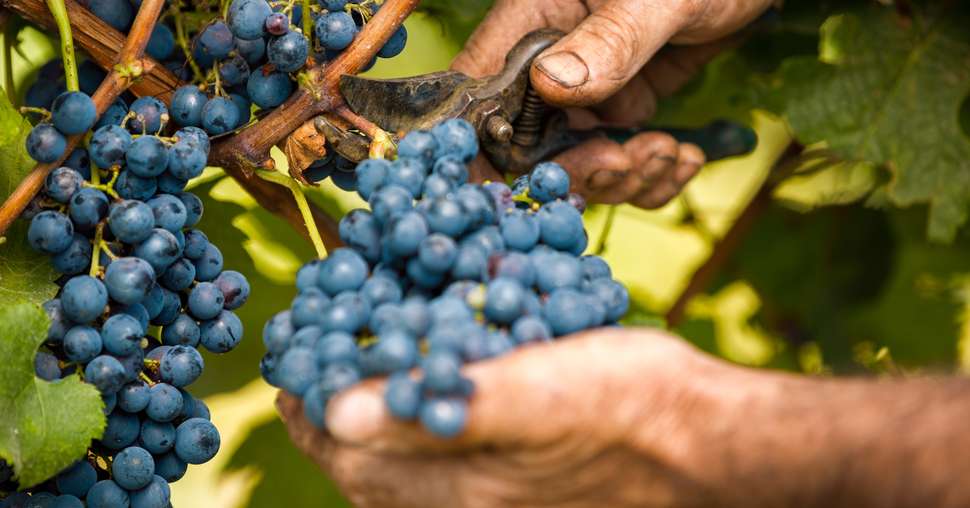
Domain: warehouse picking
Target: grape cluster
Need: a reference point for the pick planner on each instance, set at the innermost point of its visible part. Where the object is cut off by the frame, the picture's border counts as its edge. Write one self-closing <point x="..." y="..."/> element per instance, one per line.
<point x="253" y="54"/>
<point x="141" y="292"/>
<point x="439" y="272"/>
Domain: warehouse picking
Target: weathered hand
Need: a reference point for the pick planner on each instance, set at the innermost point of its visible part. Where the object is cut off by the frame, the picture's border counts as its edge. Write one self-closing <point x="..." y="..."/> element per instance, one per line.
<point x="600" y="419"/>
<point x="610" y="69"/>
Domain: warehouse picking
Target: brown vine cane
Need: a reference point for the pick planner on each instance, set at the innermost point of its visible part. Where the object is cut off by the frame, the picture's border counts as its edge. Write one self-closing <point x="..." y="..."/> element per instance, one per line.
<point x="130" y="57"/>
<point x="99" y="39"/>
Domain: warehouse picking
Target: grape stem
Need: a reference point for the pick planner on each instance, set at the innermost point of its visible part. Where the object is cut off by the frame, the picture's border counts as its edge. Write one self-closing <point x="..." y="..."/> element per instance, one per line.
<point x="303" y="205"/>
<point x="109" y="90"/>
<point x="605" y="232"/>
<point x="59" y="11"/>
<point x="96" y="250"/>
<point x="307" y="20"/>
<point x="183" y="41"/>
<point x="10" y="29"/>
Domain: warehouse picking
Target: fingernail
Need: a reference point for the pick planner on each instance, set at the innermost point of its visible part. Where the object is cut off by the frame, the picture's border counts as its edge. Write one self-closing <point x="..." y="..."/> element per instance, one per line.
<point x="565" y="68"/>
<point x="355" y="416"/>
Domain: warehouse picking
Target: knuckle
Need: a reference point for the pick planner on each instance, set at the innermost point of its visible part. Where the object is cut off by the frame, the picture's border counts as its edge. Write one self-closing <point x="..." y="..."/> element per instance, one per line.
<point x="617" y="36"/>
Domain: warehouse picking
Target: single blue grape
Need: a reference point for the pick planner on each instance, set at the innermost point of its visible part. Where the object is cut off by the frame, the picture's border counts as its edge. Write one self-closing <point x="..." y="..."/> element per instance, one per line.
<point x="45" y="144"/>
<point x="179" y="276"/>
<point x="215" y="41"/>
<point x="156" y="437"/>
<point x="344" y="180"/>
<point x="288" y="52"/>
<point x="277" y="23"/>
<point x="346" y="314"/>
<point x="157" y="494"/>
<point x="161" y="44"/>
<point x="243" y="106"/>
<point x="117" y="13"/>
<point x="456" y="137"/>
<point x="234" y="287"/>
<point x="160" y="250"/>
<point x="121" y="334"/>
<point x="390" y="201"/>
<point x="134" y="397"/>
<point x="548" y="181"/>
<point x="193" y="208"/>
<point x="420" y="145"/>
<point x="120" y="430"/>
<point x="83" y="298"/>
<point x="343" y="270"/>
<point x="165" y="403"/>
<point x="504" y="300"/>
<point x="336" y="347"/>
<point x="470" y="263"/>
<point x="452" y="168"/>
<point x="150" y="115"/>
<point x="77" y="479"/>
<point x="73" y="113"/>
<point x="108" y="146"/>
<point x="46" y="366"/>
<point x="558" y="270"/>
<point x="169" y="212"/>
<point x="132" y="468"/>
<point x="395" y="351"/>
<point x="62" y="183"/>
<point x="378" y="290"/>
<point x="335" y="30"/>
<point x="447" y="216"/>
<point x="187" y="103"/>
<point x="404" y="233"/>
<point x="186" y="159"/>
<point x="219" y="115"/>
<point x="422" y="276"/>
<point x="76" y="258"/>
<point x="170" y="467"/>
<point x="196" y="441"/>
<point x="107" y="494"/>
<point x="560" y="225"/>
<point x="147" y="156"/>
<point x="442" y="372"/>
<point x="181" y="366"/>
<point x="223" y="333"/>
<point x="403" y="396"/>
<point x="246" y="18"/>
<point x="234" y="71"/>
<point x="409" y="173"/>
<point x="531" y="329"/>
<point x="88" y="206"/>
<point x="106" y="373"/>
<point x="520" y="230"/>
<point x="515" y="265"/>
<point x="129" y="280"/>
<point x="438" y="252"/>
<point x="361" y="231"/>
<point x="205" y="301"/>
<point x="137" y="311"/>
<point x="371" y="175"/>
<point x="268" y="89"/>
<point x="131" y="221"/>
<point x="614" y="297"/>
<point x="444" y="417"/>
<point x="184" y="331"/>
<point x="82" y="344"/>
<point x="308" y="308"/>
<point x="567" y="311"/>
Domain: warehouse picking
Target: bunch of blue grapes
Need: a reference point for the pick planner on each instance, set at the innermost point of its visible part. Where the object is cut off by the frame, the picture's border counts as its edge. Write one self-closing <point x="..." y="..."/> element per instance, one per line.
<point x="254" y="54"/>
<point x="142" y="291"/>
<point x="438" y="273"/>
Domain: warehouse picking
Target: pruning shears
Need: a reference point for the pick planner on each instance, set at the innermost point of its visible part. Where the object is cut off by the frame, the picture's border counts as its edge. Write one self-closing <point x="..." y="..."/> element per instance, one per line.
<point x="516" y="128"/>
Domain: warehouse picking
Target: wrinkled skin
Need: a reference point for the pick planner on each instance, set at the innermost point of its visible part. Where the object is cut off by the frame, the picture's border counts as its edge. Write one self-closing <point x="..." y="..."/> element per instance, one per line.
<point x="609" y="71"/>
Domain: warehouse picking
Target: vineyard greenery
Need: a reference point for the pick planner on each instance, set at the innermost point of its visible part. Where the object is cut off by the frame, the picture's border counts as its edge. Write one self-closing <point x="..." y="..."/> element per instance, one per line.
<point x="839" y="245"/>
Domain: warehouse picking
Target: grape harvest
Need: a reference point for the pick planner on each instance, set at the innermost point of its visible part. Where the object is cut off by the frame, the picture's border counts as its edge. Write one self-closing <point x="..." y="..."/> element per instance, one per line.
<point x="142" y="290"/>
<point x="438" y="273"/>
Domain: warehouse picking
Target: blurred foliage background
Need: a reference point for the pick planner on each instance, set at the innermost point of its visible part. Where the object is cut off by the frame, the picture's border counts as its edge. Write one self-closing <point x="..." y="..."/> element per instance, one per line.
<point x="819" y="252"/>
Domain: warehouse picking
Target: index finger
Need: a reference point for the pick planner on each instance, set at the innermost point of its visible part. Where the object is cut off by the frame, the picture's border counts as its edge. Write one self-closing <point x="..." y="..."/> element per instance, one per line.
<point x="506" y="23"/>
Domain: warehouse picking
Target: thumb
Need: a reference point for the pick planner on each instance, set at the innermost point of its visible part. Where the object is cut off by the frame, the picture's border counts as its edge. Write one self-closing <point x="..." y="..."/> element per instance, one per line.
<point x="537" y="395"/>
<point x="606" y="50"/>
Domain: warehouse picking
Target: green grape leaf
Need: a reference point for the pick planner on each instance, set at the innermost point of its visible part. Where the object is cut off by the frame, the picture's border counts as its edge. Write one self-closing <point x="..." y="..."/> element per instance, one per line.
<point x="457" y="19"/>
<point x="44" y="426"/>
<point x="25" y="275"/>
<point x="888" y="89"/>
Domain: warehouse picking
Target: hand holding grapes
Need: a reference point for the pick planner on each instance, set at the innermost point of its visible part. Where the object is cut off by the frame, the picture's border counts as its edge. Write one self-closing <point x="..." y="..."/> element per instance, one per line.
<point x="610" y="69"/>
